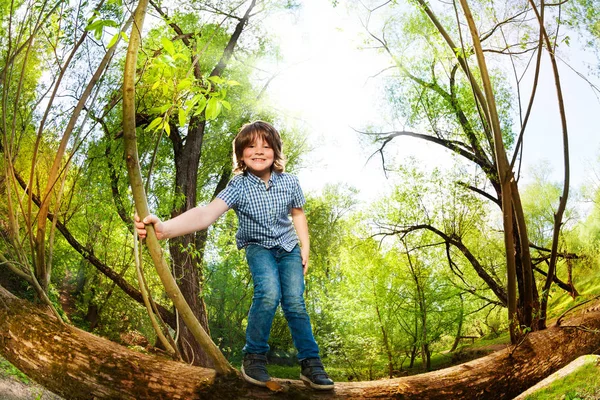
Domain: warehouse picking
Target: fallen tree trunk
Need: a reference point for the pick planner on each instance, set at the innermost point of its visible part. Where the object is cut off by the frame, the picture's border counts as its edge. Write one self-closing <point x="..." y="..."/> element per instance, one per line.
<point x="79" y="365"/>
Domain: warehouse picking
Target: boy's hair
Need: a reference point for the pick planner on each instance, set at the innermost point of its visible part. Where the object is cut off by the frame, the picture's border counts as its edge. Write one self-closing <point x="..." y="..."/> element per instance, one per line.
<point x="248" y="135"/>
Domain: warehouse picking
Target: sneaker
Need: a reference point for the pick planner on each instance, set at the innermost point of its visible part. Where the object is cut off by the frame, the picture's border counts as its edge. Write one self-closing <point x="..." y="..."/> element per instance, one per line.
<point x="254" y="369"/>
<point x="314" y="375"/>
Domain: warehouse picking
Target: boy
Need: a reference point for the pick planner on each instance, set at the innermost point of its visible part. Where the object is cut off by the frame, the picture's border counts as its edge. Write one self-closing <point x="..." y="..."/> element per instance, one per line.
<point x="263" y="197"/>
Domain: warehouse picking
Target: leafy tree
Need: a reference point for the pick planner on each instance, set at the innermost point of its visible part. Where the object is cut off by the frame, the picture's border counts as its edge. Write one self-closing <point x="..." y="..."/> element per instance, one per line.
<point x="457" y="99"/>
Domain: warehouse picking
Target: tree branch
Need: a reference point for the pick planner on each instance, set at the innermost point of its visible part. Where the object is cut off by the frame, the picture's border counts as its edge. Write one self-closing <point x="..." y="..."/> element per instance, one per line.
<point x="88" y="254"/>
<point x="456" y="242"/>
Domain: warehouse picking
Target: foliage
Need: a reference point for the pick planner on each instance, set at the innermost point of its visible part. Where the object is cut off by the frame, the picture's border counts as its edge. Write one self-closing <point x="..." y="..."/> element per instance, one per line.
<point x="583" y="16"/>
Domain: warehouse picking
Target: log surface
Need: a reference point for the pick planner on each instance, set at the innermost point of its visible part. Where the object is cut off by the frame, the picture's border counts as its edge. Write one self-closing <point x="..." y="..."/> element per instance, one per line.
<point x="78" y="365"/>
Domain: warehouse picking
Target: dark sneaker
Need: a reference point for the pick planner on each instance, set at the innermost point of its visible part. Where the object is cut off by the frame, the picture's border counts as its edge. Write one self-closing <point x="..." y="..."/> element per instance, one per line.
<point x="254" y="369"/>
<point x="314" y="375"/>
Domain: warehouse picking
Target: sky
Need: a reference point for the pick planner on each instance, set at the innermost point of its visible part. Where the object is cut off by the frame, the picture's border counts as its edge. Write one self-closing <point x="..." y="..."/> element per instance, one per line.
<point x="328" y="85"/>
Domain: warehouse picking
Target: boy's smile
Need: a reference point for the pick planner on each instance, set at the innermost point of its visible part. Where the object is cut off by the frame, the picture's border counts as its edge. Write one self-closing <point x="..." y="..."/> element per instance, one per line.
<point x="258" y="158"/>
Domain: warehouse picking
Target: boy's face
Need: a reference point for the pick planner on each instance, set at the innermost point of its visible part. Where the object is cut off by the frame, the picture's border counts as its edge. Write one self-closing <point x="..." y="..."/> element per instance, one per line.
<point x="258" y="157"/>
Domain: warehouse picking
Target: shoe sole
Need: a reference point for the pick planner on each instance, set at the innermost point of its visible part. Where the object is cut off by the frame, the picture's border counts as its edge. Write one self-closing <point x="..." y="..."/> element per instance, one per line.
<point x="313" y="385"/>
<point x="251" y="380"/>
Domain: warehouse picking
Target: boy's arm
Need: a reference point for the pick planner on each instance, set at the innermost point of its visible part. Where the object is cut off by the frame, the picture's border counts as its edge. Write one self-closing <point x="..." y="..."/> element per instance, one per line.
<point x="196" y="219"/>
<point x="301" y="225"/>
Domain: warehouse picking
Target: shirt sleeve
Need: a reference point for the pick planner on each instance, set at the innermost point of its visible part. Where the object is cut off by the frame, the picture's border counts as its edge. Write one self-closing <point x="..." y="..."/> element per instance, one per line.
<point x="297" y="195"/>
<point x="231" y="194"/>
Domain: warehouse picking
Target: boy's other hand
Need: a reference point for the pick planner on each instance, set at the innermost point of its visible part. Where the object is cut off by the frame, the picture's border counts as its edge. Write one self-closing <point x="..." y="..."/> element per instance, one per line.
<point x="304" y="254"/>
<point x="140" y="226"/>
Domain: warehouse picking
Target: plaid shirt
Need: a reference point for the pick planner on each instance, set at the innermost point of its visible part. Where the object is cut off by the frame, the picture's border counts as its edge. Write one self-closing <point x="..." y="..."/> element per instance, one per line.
<point x="263" y="211"/>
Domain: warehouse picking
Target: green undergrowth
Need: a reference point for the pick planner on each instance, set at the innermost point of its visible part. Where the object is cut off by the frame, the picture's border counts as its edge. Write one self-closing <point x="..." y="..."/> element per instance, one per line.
<point x="344" y="374"/>
<point x="560" y="301"/>
<point x="7" y="369"/>
<point x="582" y="384"/>
<point x="293" y="372"/>
<point x="502" y="338"/>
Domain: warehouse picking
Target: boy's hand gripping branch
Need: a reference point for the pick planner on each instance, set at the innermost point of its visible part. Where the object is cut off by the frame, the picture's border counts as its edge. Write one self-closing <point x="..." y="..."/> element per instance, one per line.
<point x="140" y="226"/>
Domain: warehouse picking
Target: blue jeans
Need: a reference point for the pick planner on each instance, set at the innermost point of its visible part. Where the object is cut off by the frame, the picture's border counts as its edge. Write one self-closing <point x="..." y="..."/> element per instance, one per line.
<point x="278" y="277"/>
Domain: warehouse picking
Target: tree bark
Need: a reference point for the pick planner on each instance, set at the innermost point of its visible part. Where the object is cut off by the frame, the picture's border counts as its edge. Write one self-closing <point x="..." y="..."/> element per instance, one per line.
<point x="79" y="365"/>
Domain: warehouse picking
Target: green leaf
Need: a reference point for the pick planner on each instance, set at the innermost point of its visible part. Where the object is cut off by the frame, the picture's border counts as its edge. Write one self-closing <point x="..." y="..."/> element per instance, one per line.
<point x="201" y="105"/>
<point x="154" y="124"/>
<point x="125" y="37"/>
<point x="192" y="102"/>
<point x="110" y="23"/>
<point x="233" y="83"/>
<point x="182" y="117"/>
<point x="113" y="41"/>
<point x="160" y="110"/>
<point x="155" y="85"/>
<point x="95" y="15"/>
<point x="216" y="79"/>
<point x="226" y="104"/>
<point x="168" y="45"/>
<point x="184" y="84"/>
<point x="213" y="108"/>
<point x="93" y="25"/>
<point x="167" y="127"/>
<point x="100" y="24"/>
<point x="167" y="59"/>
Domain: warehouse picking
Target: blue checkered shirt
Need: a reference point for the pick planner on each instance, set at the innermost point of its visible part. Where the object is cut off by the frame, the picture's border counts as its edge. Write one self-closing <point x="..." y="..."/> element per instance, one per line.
<point x="263" y="211"/>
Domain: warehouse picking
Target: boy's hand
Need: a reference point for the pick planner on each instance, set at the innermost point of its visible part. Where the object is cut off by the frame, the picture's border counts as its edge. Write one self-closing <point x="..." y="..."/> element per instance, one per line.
<point x="304" y="252"/>
<point x="140" y="226"/>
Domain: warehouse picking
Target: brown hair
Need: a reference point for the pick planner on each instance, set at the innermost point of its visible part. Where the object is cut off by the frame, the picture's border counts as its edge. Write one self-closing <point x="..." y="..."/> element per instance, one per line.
<point x="248" y="135"/>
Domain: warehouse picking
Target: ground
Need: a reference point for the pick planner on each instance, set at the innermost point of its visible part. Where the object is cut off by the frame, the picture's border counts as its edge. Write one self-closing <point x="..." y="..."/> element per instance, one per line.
<point x="11" y="388"/>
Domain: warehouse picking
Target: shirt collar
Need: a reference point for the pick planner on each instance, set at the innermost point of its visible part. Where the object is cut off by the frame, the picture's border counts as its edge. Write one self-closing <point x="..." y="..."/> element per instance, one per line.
<point x="255" y="179"/>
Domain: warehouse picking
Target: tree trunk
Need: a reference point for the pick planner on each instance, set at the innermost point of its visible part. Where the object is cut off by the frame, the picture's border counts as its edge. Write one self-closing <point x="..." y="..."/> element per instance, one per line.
<point x="79" y="365"/>
<point x="460" y="324"/>
<point x="186" y="257"/>
<point x="186" y="266"/>
<point x="413" y="355"/>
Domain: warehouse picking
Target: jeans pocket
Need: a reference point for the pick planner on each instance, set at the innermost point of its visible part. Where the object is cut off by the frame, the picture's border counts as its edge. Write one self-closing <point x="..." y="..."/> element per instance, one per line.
<point x="251" y="250"/>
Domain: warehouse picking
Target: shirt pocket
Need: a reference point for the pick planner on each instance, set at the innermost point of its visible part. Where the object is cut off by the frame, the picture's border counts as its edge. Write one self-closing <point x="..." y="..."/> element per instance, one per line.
<point x="281" y="200"/>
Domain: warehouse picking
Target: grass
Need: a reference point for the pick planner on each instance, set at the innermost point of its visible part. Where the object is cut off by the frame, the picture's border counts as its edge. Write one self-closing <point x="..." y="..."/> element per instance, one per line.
<point x="7" y="369"/>
<point x="560" y="301"/>
<point x="582" y="384"/>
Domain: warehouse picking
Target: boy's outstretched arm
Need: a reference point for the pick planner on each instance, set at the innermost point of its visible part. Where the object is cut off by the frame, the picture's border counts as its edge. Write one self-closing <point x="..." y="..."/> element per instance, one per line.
<point x="301" y="225"/>
<point x="196" y="219"/>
